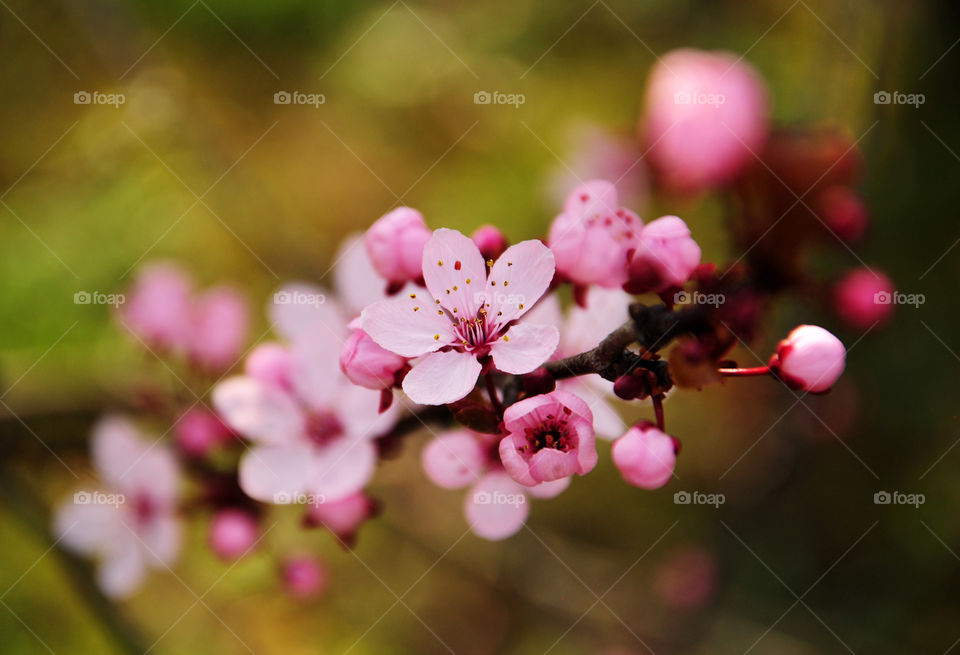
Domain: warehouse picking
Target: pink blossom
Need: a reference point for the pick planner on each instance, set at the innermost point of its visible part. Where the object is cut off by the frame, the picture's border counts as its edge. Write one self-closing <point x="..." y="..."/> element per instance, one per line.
<point x="342" y="517"/>
<point x="158" y="306"/>
<point x="810" y="358"/>
<point x="131" y="526"/>
<point x="490" y="241"/>
<point x="312" y="430"/>
<point x="305" y="577"/>
<point x="666" y="255"/>
<point x="645" y="456"/>
<point x="843" y="212"/>
<point x="549" y="437"/>
<point x="863" y="297"/>
<point x="466" y="314"/>
<point x="367" y="364"/>
<point x="706" y="113"/>
<point x="592" y="237"/>
<point x="233" y="533"/>
<point x="496" y="507"/>
<point x="218" y="328"/>
<point x="395" y="244"/>
<point x="199" y="431"/>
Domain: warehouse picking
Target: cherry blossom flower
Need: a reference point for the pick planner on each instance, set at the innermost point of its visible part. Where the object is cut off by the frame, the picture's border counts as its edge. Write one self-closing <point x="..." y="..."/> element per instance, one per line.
<point x="665" y="256"/>
<point x="367" y="364"/>
<point x="395" y="245"/>
<point x="549" y="437"/>
<point x="490" y="241"/>
<point x="593" y="236"/>
<point x="342" y="517"/>
<point x="843" y="212"/>
<point x="158" y="306"/>
<point x="863" y="297"/>
<point x="132" y="526"/>
<point x="313" y="431"/>
<point x="198" y="431"/>
<point x="810" y="358"/>
<point x="305" y="577"/>
<point x="233" y="533"/>
<point x="218" y="328"/>
<point x="466" y="315"/>
<point x="706" y="113"/>
<point x="495" y="506"/>
<point x="645" y="456"/>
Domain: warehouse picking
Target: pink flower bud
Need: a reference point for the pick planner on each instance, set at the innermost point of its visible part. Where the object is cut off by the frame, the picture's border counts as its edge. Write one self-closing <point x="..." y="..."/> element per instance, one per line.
<point x="810" y="358"/>
<point x="342" y="517"/>
<point x="665" y="256"/>
<point x="591" y="238"/>
<point x="843" y="212"/>
<point x="863" y="297"/>
<point x="304" y="577"/>
<point x="490" y="241"/>
<point x="270" y="363"/>
<point x="199" y="431"/>
<point x="454" y="459"/>
<point x="645" y="456"/>
<point x="218" y="328"/>
<point x="367" y="364"/>
<point x="233" y="533"/>
<point x="158" y="306"/>
<point x="395" y="245"/>
<point x="706" y="113"/>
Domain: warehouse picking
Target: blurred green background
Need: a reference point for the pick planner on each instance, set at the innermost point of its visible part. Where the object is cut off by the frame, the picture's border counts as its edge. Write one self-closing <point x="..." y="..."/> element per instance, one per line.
<point x="88" y="192"/>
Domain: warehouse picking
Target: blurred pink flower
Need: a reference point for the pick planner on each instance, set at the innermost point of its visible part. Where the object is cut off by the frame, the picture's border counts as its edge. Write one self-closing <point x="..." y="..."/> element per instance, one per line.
<point x="158" y="306"/>
<point x="233" y="533"/>
<point x="313" y="430"/>
<point x="810" y="358"/>
<point x="133" y="526"/>
<point x="395" y="245"/>
<point x="218" y="328"/>
<point x="342" y="517"/>
<point x="549" y="437"/>
<point x="304" y="577"/>
<point x="705" y="114"/>
<point x="593" y="235"/>
<point x="863" y="297"/>
<point x="843" y="211"/>
<point x="645" y="456"/>
<point x="468" y="313"/>
<point x="198" y="431"/>
<point x="666" y="255"/>
<point x="490" y="241"/>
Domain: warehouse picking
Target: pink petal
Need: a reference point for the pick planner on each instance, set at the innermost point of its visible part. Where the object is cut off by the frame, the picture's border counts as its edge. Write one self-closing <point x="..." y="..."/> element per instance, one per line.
<point x="162" y="536"/>
<point x="356" y="280"/>
<point x="86" y="529"/>
<point x="122" y="568"/>
<point x="300" y="310"/>
<point x="496" y="507"/>
<point x="218" y="330"/>
<point x="441" y="378"/>
<point x="606" y="311"/>
<point x="341" y="468"/>
<point x="358" y="411"/>
<point x="591" y="198"/>
<point x="546" y="312"/>
<point x="454" y="459"/>
<point x="524" y="347"/>
<point x="258" y="411"/>
<point x="549" y="464"/>
<point x="315" y="373"/>
<point x="550" y="489"/>
<point x="518" y="278"/>
<point x="408" y="326"/>
<point x="275" y="474"/>
<point x="455" y="272"/>
<point x="514" y="463"/>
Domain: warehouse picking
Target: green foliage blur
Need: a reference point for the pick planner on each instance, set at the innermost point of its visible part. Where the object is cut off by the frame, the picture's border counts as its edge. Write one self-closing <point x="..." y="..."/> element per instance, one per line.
<point x="87" y="193"/>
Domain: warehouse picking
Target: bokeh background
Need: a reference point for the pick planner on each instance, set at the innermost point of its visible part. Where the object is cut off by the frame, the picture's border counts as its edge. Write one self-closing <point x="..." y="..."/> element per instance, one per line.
<point x="805" y="561"/>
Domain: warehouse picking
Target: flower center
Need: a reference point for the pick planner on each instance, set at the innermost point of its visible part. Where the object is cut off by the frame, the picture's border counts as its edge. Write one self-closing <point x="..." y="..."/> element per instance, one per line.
<point x="551" y="432"/>
<point x="476" y="333"/>
<point x="144" y="509"/>
<point x="323" y="427"/>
